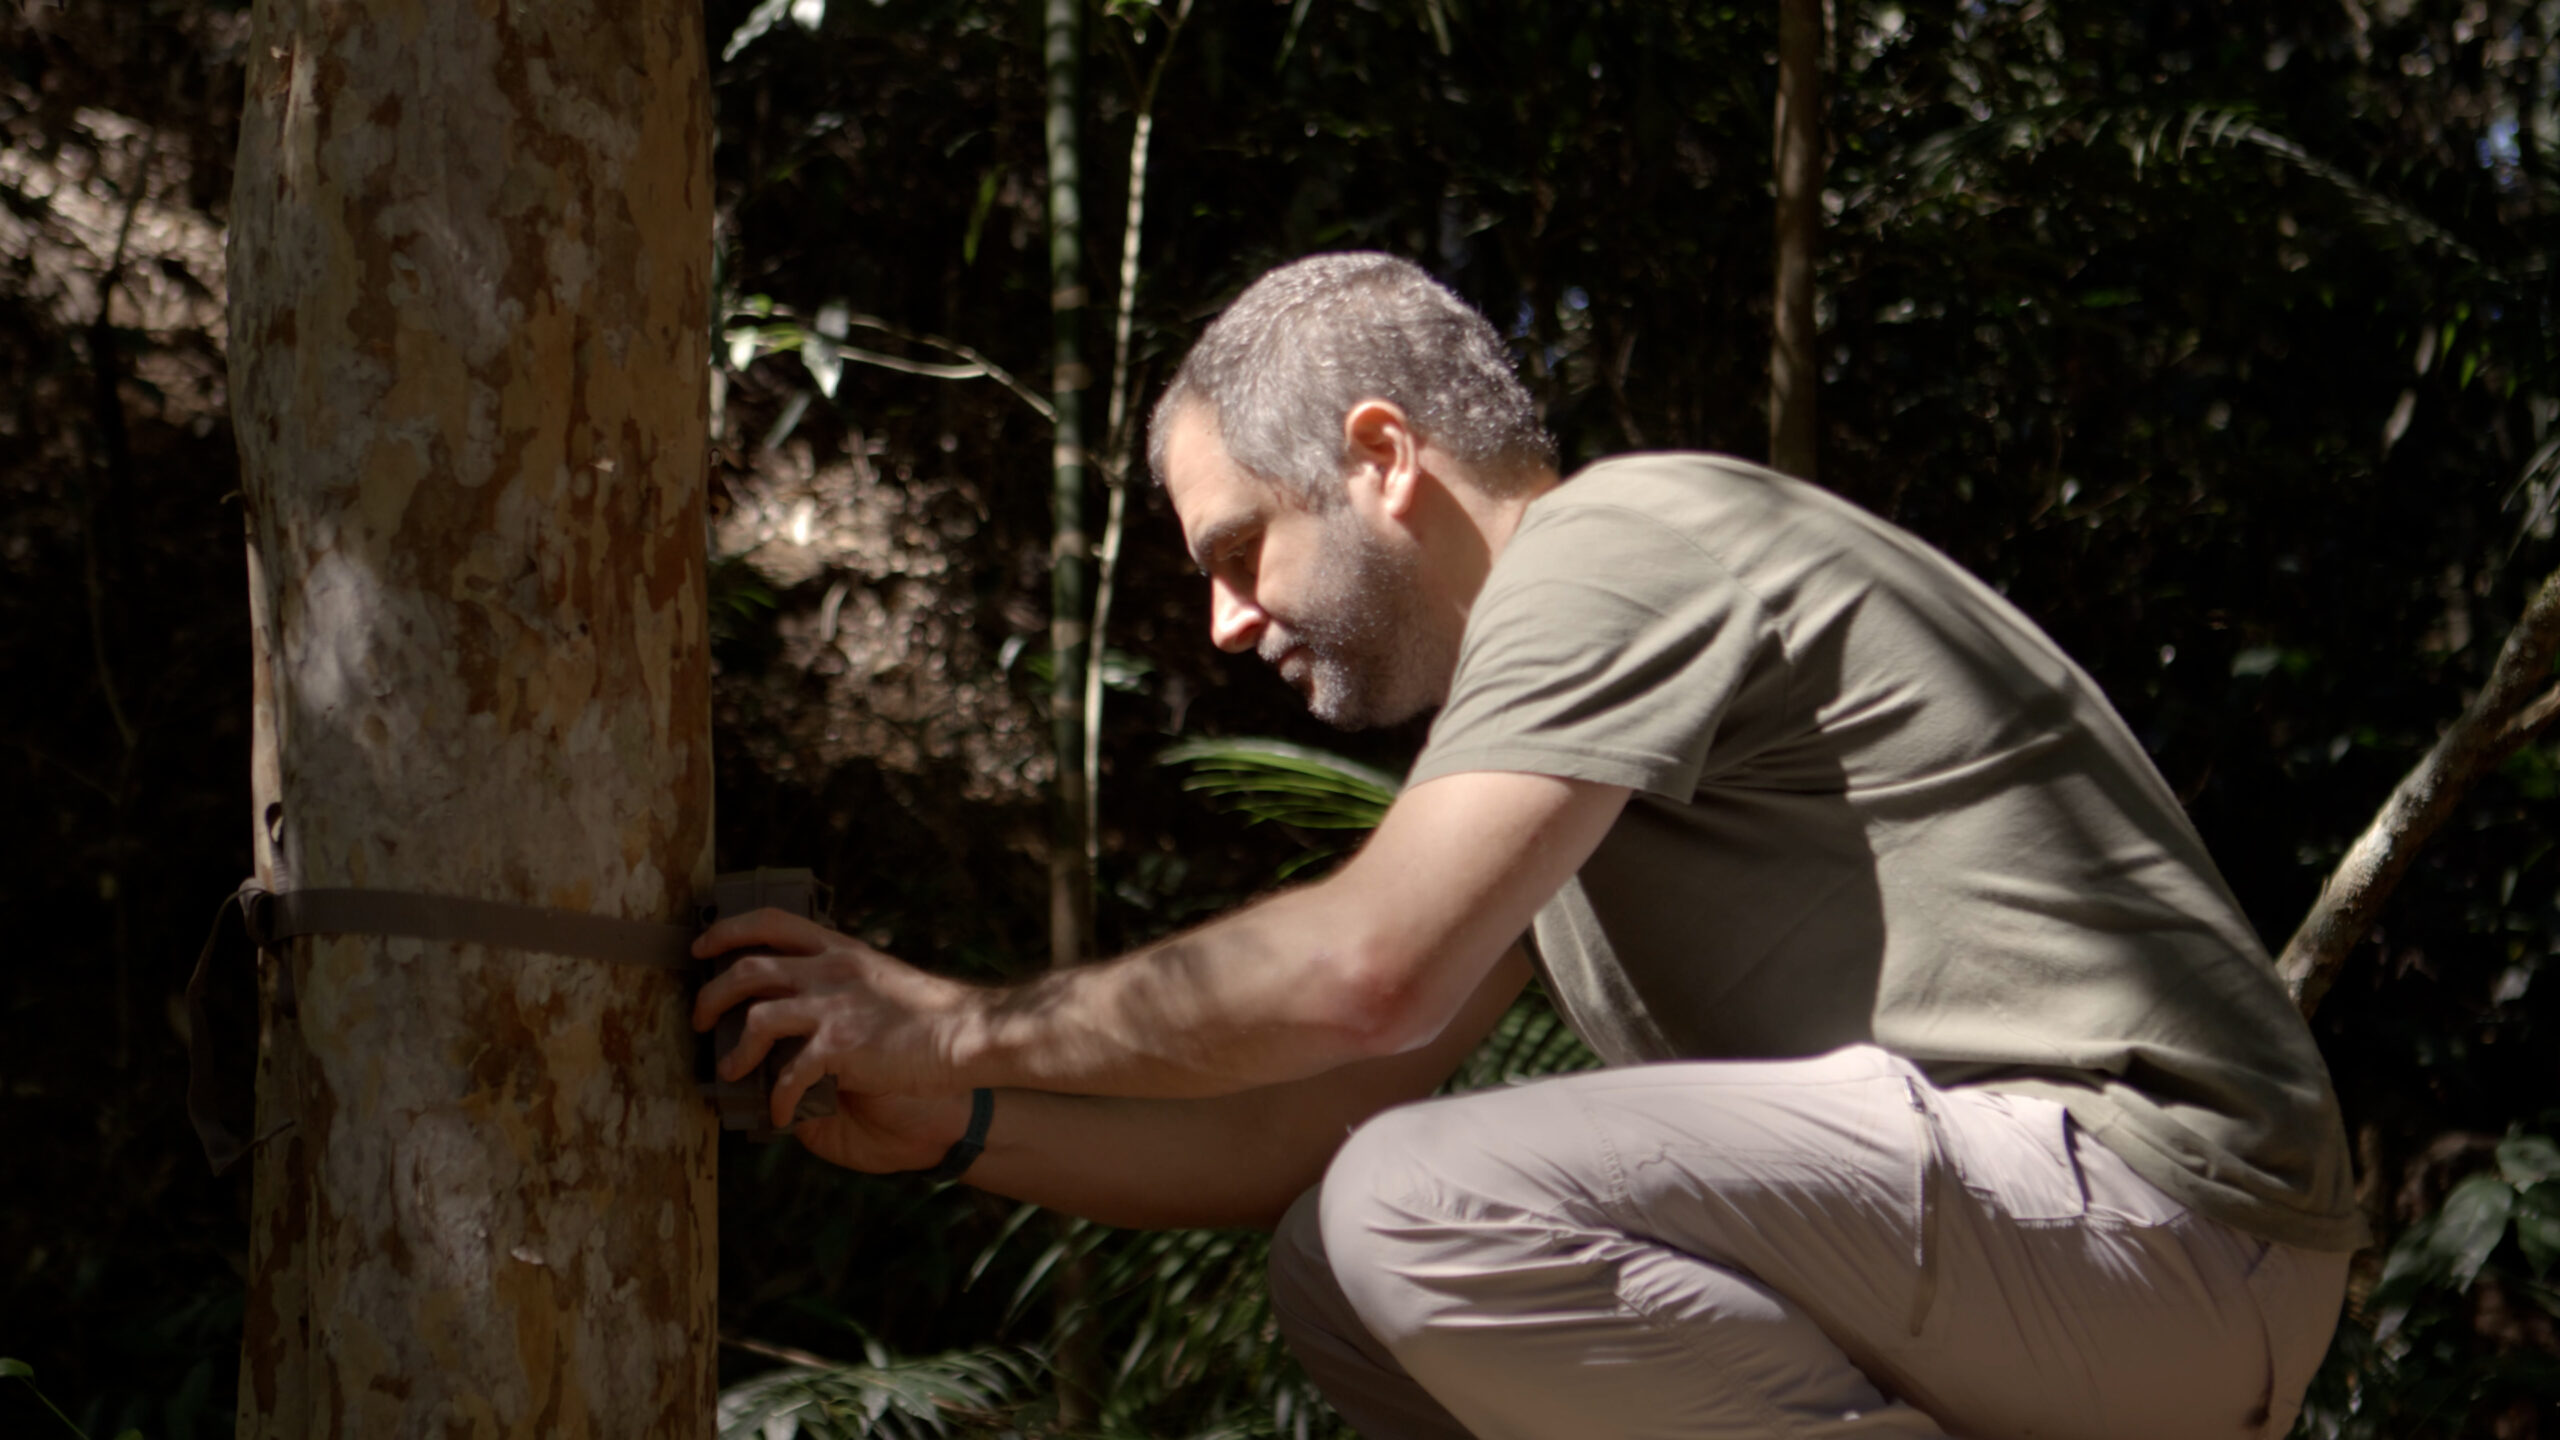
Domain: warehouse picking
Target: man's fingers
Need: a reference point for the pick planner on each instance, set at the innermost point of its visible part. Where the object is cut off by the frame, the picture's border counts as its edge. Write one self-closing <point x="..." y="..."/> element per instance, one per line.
<point x="752" y="977"/>
<point x="766" y="929"/>
<point x="766" y="1023"/>
<point x="805" y="1070"/>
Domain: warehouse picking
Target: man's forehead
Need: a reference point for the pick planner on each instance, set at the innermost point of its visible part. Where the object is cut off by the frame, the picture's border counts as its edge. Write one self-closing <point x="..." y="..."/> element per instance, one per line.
<point x="1193" y="447"/>
<point x="1208" y="489"/>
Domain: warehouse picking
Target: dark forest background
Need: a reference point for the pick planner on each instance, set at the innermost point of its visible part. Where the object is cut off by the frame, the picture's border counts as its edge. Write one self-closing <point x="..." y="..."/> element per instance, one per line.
<point x="2219" y="334"/>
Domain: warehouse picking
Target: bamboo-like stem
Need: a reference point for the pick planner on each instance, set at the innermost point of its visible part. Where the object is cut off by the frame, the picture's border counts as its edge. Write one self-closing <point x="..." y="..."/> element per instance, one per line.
<point x="1119" y="433"/>
<point x="1106" y="571"/>
<point x="2516" y="703"/>
<point x="1077" y="1367"/>
<point x="1070" y="549"/>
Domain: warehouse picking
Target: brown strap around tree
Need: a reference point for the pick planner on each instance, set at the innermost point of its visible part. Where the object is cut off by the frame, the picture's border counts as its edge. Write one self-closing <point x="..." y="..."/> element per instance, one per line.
<point x="272" y="917"/>
<point x="222" y="994"/>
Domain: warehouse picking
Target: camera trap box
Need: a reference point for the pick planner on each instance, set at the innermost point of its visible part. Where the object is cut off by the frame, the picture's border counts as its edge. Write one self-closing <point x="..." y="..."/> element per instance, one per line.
<point x="747" y="1103"/>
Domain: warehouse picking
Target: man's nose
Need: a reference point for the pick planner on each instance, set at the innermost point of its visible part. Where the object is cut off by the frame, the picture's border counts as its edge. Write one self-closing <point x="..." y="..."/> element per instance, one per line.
<point x="1235" y="622"/>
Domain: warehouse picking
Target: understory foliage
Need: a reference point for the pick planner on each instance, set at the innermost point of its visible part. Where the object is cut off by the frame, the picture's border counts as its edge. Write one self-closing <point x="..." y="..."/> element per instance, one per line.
<point x="2218" y="334"/>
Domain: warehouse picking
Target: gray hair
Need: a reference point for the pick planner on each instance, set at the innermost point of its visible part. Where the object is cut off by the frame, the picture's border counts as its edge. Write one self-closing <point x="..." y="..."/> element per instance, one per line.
<point x="1281" y="368"/>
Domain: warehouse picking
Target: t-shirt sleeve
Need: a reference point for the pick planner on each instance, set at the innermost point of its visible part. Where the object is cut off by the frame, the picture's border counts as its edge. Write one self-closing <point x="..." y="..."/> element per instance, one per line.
<point x="1604" y="646"/>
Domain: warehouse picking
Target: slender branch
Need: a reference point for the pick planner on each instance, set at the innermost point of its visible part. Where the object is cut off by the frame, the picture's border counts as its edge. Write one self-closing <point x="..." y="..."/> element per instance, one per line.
<point x="2507" y="713"/>
<point x="977" y="365"/>
<point x="1115" y="428"/>
<point x="117" y="455"/>
<point x="1107" y="570"/>
<point x="30" y="1379"/>
<point x="38" y="758"/>
<point x="805" y="1359"/>
<point x="926" y="368"/>
<point x="1118" y="432"/>
<point x="2532" y="720"/>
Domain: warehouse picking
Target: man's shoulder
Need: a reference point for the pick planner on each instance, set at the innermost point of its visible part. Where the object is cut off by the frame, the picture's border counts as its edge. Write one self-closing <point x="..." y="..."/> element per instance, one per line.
<point x="1695" y="476"/>
<point x="1698" y="490"/>
<point x="1750" y="522"/>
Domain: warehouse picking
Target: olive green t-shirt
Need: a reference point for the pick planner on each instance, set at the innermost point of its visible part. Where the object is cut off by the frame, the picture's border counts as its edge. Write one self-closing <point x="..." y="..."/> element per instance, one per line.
<point x="1875" y="803"/>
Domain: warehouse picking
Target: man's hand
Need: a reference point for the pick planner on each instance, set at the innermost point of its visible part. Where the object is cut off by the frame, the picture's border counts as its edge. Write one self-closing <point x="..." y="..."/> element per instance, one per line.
<point x="886" y="1134"/>
<point x="870" y="1020"/>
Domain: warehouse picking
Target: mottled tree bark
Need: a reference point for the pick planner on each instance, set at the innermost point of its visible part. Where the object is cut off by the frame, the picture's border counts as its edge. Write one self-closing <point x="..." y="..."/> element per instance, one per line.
<point x="470" y="255"/>
<point x="1795" y="370"/>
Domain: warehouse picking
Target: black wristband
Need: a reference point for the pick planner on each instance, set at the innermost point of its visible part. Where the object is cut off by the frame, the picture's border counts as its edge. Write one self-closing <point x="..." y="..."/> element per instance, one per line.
<point x="964" y="1151"/>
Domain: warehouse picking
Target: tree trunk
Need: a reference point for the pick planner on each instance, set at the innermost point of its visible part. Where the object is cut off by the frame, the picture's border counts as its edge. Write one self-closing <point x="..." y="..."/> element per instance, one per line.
<point x="470" y="256"/>
<point x="1794" y="367"/>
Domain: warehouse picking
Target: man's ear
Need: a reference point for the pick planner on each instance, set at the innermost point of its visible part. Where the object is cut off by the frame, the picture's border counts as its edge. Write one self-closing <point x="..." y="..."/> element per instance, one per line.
<point x="1380" y="450"/>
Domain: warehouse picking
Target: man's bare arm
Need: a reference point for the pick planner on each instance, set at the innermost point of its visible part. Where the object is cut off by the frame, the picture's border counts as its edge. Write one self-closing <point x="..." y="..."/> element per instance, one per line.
<point x="1375" y="961"/>
<point x="1230" y="1160"/>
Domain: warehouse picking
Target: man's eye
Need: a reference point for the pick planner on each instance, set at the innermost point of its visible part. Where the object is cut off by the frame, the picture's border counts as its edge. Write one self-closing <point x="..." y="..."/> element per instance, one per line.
<point x="1233" y="557"/>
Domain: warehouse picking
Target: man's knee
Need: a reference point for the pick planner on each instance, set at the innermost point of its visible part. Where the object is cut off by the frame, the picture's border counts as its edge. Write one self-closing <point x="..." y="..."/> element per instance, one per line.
<point x="1330" y="1242"/>
<point x="1427" y="1206"/>
<point x="1342" y="1253"/>
<point x="1368" y="1188"/>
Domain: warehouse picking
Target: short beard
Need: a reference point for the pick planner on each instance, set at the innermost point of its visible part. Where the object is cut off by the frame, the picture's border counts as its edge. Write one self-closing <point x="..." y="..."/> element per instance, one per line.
<point x="1372" y="655"/>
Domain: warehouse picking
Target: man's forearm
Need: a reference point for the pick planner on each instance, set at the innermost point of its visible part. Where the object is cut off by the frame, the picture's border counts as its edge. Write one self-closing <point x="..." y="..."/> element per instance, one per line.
<point x="1370" y="963"/>
<point x="1237" y="1159"/>
<point x="1266" y="995"/>
<point x="1148" y="1164"/>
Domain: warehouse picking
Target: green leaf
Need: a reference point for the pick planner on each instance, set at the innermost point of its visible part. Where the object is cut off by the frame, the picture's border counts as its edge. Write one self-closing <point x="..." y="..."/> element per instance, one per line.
<point x="2256" y="660"/>
<point x="2443" y="1252"/>
<point x="15" y="1369"/>
<point x="2472" y="1222"/>
<point x="2538" y="1226"/>
<point x="2528" y="1160"/>
<point x="978" y="215"/>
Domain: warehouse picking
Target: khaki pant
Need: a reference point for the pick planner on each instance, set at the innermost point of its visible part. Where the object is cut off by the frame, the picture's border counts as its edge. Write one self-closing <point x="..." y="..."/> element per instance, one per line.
<point x="1817" y="1248"/>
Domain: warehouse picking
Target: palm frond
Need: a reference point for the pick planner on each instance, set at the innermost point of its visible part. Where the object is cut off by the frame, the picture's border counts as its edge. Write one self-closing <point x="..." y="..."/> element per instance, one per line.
<point x="2222" y="128"/>
<point x="1266" y="779"/>
<point x="1189" y="1315"/>
<point x="937" y="1396"/>
<point x="2151" y="135"/>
